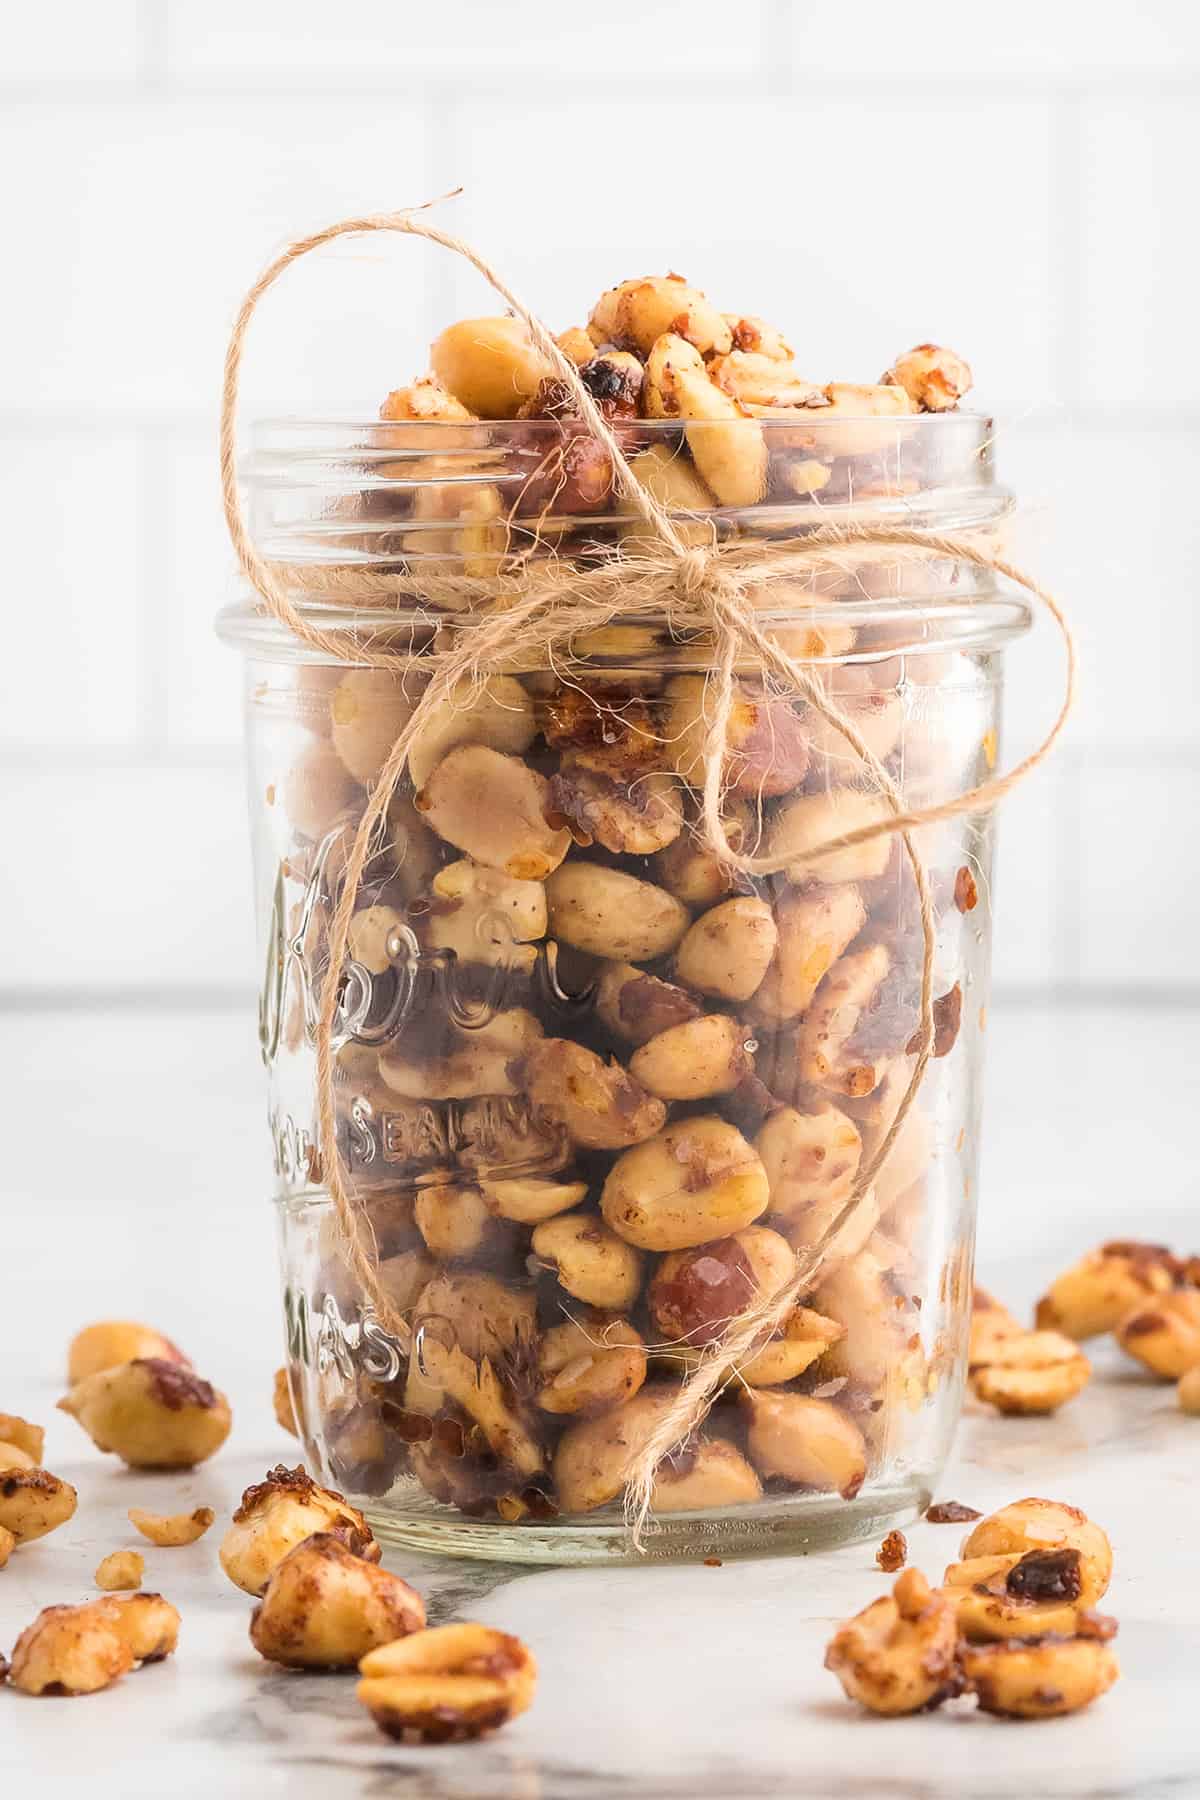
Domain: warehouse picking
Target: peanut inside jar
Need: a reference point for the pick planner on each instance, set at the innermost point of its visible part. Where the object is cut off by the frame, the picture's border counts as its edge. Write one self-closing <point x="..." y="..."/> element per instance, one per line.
<point x="596" y="1090"/>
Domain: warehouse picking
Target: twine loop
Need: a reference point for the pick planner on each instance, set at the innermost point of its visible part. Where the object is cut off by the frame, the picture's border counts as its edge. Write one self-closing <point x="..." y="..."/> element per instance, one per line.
<point x="532" y="616"/>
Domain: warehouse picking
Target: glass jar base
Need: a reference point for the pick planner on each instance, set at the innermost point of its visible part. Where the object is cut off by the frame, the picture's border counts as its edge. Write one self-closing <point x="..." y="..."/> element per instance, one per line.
<point x="795" y="1526"/>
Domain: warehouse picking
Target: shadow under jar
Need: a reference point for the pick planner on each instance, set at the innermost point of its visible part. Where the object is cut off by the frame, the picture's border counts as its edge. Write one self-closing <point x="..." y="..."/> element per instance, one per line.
<point x="595" y="1092"/>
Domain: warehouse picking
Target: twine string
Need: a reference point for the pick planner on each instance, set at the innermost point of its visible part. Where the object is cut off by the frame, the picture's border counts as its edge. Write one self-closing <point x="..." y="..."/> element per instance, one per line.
<point x="533" y="614"/>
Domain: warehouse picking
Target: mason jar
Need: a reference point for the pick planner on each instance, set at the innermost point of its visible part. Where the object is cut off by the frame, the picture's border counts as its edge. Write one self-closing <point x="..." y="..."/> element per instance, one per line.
<point x="595" y="1090"/>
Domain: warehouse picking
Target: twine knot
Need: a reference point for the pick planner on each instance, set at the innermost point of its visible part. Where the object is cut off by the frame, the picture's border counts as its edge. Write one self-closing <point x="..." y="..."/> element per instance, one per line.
<point x="695" y="571"/>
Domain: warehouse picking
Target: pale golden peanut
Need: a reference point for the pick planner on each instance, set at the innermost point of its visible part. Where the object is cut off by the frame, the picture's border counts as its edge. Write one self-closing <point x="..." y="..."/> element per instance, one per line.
<point x="805" y="1337"/>
<point x="489" y="364"/>
<point x="729" y="452"/>
<point x="484" y="916"/>
<point x="698" y="1180"/>
<point x="147" y="1623"/>
<point x="1163" y="1334"/>
<point x="477" y="1388"/>
<point x="494" y="808"/>
<point x="877" y="714"/>
<point x="863" y="1292"/>
<point x="376" y="937"/>
<point x="13" y="1457"/>
<point x="81" y="1649"/>
<point x="709" y="1473"/>
<point x="426" y="399"/>
<point x="600" y="1105"/>
<point x="631" y="817"/>
<point x="729" y="948"/>
<point x="766" y="738"/>
<point x="934" y="378"/>
<point x="454" y="1221"/>
<point x="103" y="1346"/>
<point x="688" y="868"/>
<point x="804" y="823"/>
<point x="1016" y="1596"/>
<point x="637" y="313"/>
<point x="759" y="379"/>
<point x="528" y="1199"/>
<point x="1189" y="1390"/>
<point x="636" y="1006"/>
<point x="706" y="1056"/>
<point x="481" y="1062"/>
<point x="608" y="913"/>
<point x="23" y="1436"/>
<point x="121" y="1569"/>
<point x="825" y="1048"/>
<point x="577" y="345"/>
<point x="1104" y="1287"/>
<point x="277" y="1514"/>
<point x="325" y="1608"/>
<point x="447" y="1684"/>
<point x="591" y="1262"/>
<point x="696" y="1294"/>
<point x="368" y="710"/>
<point x="665" y="471"/>
<point x="171" y="1530"/>
<point x="614" y="733"/>
<point x="281" y="1401"/>
<point x="482" y="1315"/>
<point x="1037" y="1524"/>
<point x="151" y="1413"/>
<point x="498" y="712"/>
<point x="1041" y="1680"/>
<point x="991" y="1322"/>
<point x="808" y="1441"/>
<point x="749" y="332"/>
<point x="860" y="420"/>
<point x="811" y="1160"/>
<point x="8" y="1544"/>
<point x="900" y="1654"/>
<point x="1031" y="1372"/>
<point x="595" y="1456"/>
<point x="317" y="790"/>
<point x="815" y="925"/>
<point x="34" y="1502"/>
<point x="590" y="1364"/>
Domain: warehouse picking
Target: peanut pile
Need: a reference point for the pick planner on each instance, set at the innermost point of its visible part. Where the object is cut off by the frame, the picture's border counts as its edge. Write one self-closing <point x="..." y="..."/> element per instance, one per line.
<point x="596" y="1092"/>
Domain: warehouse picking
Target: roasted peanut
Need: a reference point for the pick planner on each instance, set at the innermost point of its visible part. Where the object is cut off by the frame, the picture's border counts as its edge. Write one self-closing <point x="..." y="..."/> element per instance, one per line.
<point x="1104" y="1287"/>
<point x="1016" y="1596"/>
<point x="447" y="1684"/>
<point x="577" y="345"/>
<point x="809" y="820"/>
<point x="475" y="1386"/>
<point x="900" y="1654"/>
<point x="424" y="399"/>
<point x="33" y="1502"/>
<point x="808" y="1441"/>
<point x="121" y="1569"/>
<point x="598" y="1104"/>
<point x="169" y="1530"/>
<point x="594" y="1456"/>
<point x="151" y="1413"/>
<point x="698" y="1180"/>
<point x="766" y="739"/>
<point x="688" y="868"/>
<point x="752" y="333"/>
<point x="1163" y="1334"/>
<point x="761" y="380"/>
<point x="665" y="472"/>
<point x="484" y="916"/>
<point x="281" y="1401"/>
<point x="591" y="1261"/>
<point x="613" y="733"/>
<point x="482" y="1063"/>
<point x="277" y="1514"/>
<point x="13" y="1457"/>
<point x="815" y="925"/>
<point x="325" y="1608"/>
<point x="1031" y="1372"/>
<point x="454" y="1221"/>
<point x="729" y="452"/>
<point x="637" y="313"/>
<point x="873" y="415"/>
<point x="403" y="1276"/>
<point x="990" y="1324"/>
<point x="811" y="1160"/>
<point x="876" y="713"/>
<point x="631" y="817"/>
<point x="100" y="1347"/>
<point x="491" y="365"/>
<point x="1189" y="1390"/>
<point x="1041" y="1679"/>
<point x="637" y="1006"/>
<point x="825" y="1048"/>
<point x="608" y="913"/>
<point x="494" y="807"/>
<point x="498" y="712"/>
<point x="804" y="1338"/>
<point x="708" y="1473"/>
<point x="590" y="1364"/>
<point x="81" y="1649"/>
<point x="1036" y="1524"/>
<point x="317" y="790"/>
<point x="693" y="1061"/>
<point x="935" y="379"/>
<point x="8" y="1544"/>
<point x="483" y="1316"/>
<point x="697" y="1293"/>
<point x="21" y="1435"/>
<point x="368" y="710"/>
<point x="528" y="1199"/>
<point x="729" y="948"/>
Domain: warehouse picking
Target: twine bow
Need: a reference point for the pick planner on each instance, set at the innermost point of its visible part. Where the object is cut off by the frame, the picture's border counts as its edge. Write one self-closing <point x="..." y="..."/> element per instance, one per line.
<point x="538" y="611"/>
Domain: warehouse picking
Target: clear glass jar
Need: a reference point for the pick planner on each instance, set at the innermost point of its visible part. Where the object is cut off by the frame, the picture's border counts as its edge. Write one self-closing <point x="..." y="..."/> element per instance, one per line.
<point x="594" y="1093"/>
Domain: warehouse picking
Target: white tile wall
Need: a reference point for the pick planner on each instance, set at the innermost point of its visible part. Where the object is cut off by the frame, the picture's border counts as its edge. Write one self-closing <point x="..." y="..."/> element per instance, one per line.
<point x="1017" y="182"/>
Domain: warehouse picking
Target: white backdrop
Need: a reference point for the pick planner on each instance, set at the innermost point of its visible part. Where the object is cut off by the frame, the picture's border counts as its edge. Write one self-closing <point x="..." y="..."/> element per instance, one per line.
<point x="1018" y="182"/>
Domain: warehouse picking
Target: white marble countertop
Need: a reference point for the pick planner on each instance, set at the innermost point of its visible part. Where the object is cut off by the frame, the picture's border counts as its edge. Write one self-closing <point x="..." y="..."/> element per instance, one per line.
<point x="658" y="1683"/>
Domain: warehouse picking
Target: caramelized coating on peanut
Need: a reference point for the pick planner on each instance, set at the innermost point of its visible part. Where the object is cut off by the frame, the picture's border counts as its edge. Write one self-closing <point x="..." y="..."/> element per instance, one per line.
<point x="590" y="1364"/>
<point x="697" y="1180"/>
<point x="1164" y="1334"/>
<point x="103" y="1346"/>
<point x="325" y="1608"/>
<point x="991" y="1322"/>
<point x="277" y="1514"/>
<point x="591" y="1262"/>
<point x="170" y="1530"/>
<point x="447" y="1684"/>
<point x="81" y="1649"/>
<point x="495" y="808"/>
<point x="935" y="379"/>
<point x="1036" y="1524"/>
<point x="728" y="447"/>
<point x="815" y="926"/>
<point x="900" y="1654"/>
<point x="594" y="1456"/>
<point x="1041" y="1678"/>
<point x="151" y="1413"/>
<point x="1031" y="1372"/>
<point x="610" y="914"/>
<point x="637" y="313"/>
<point x="34" y="1502"/>
<point x="600" y="1105"/>
<point x="1104" y="1287"/>
<point x="637" y="1007"/>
